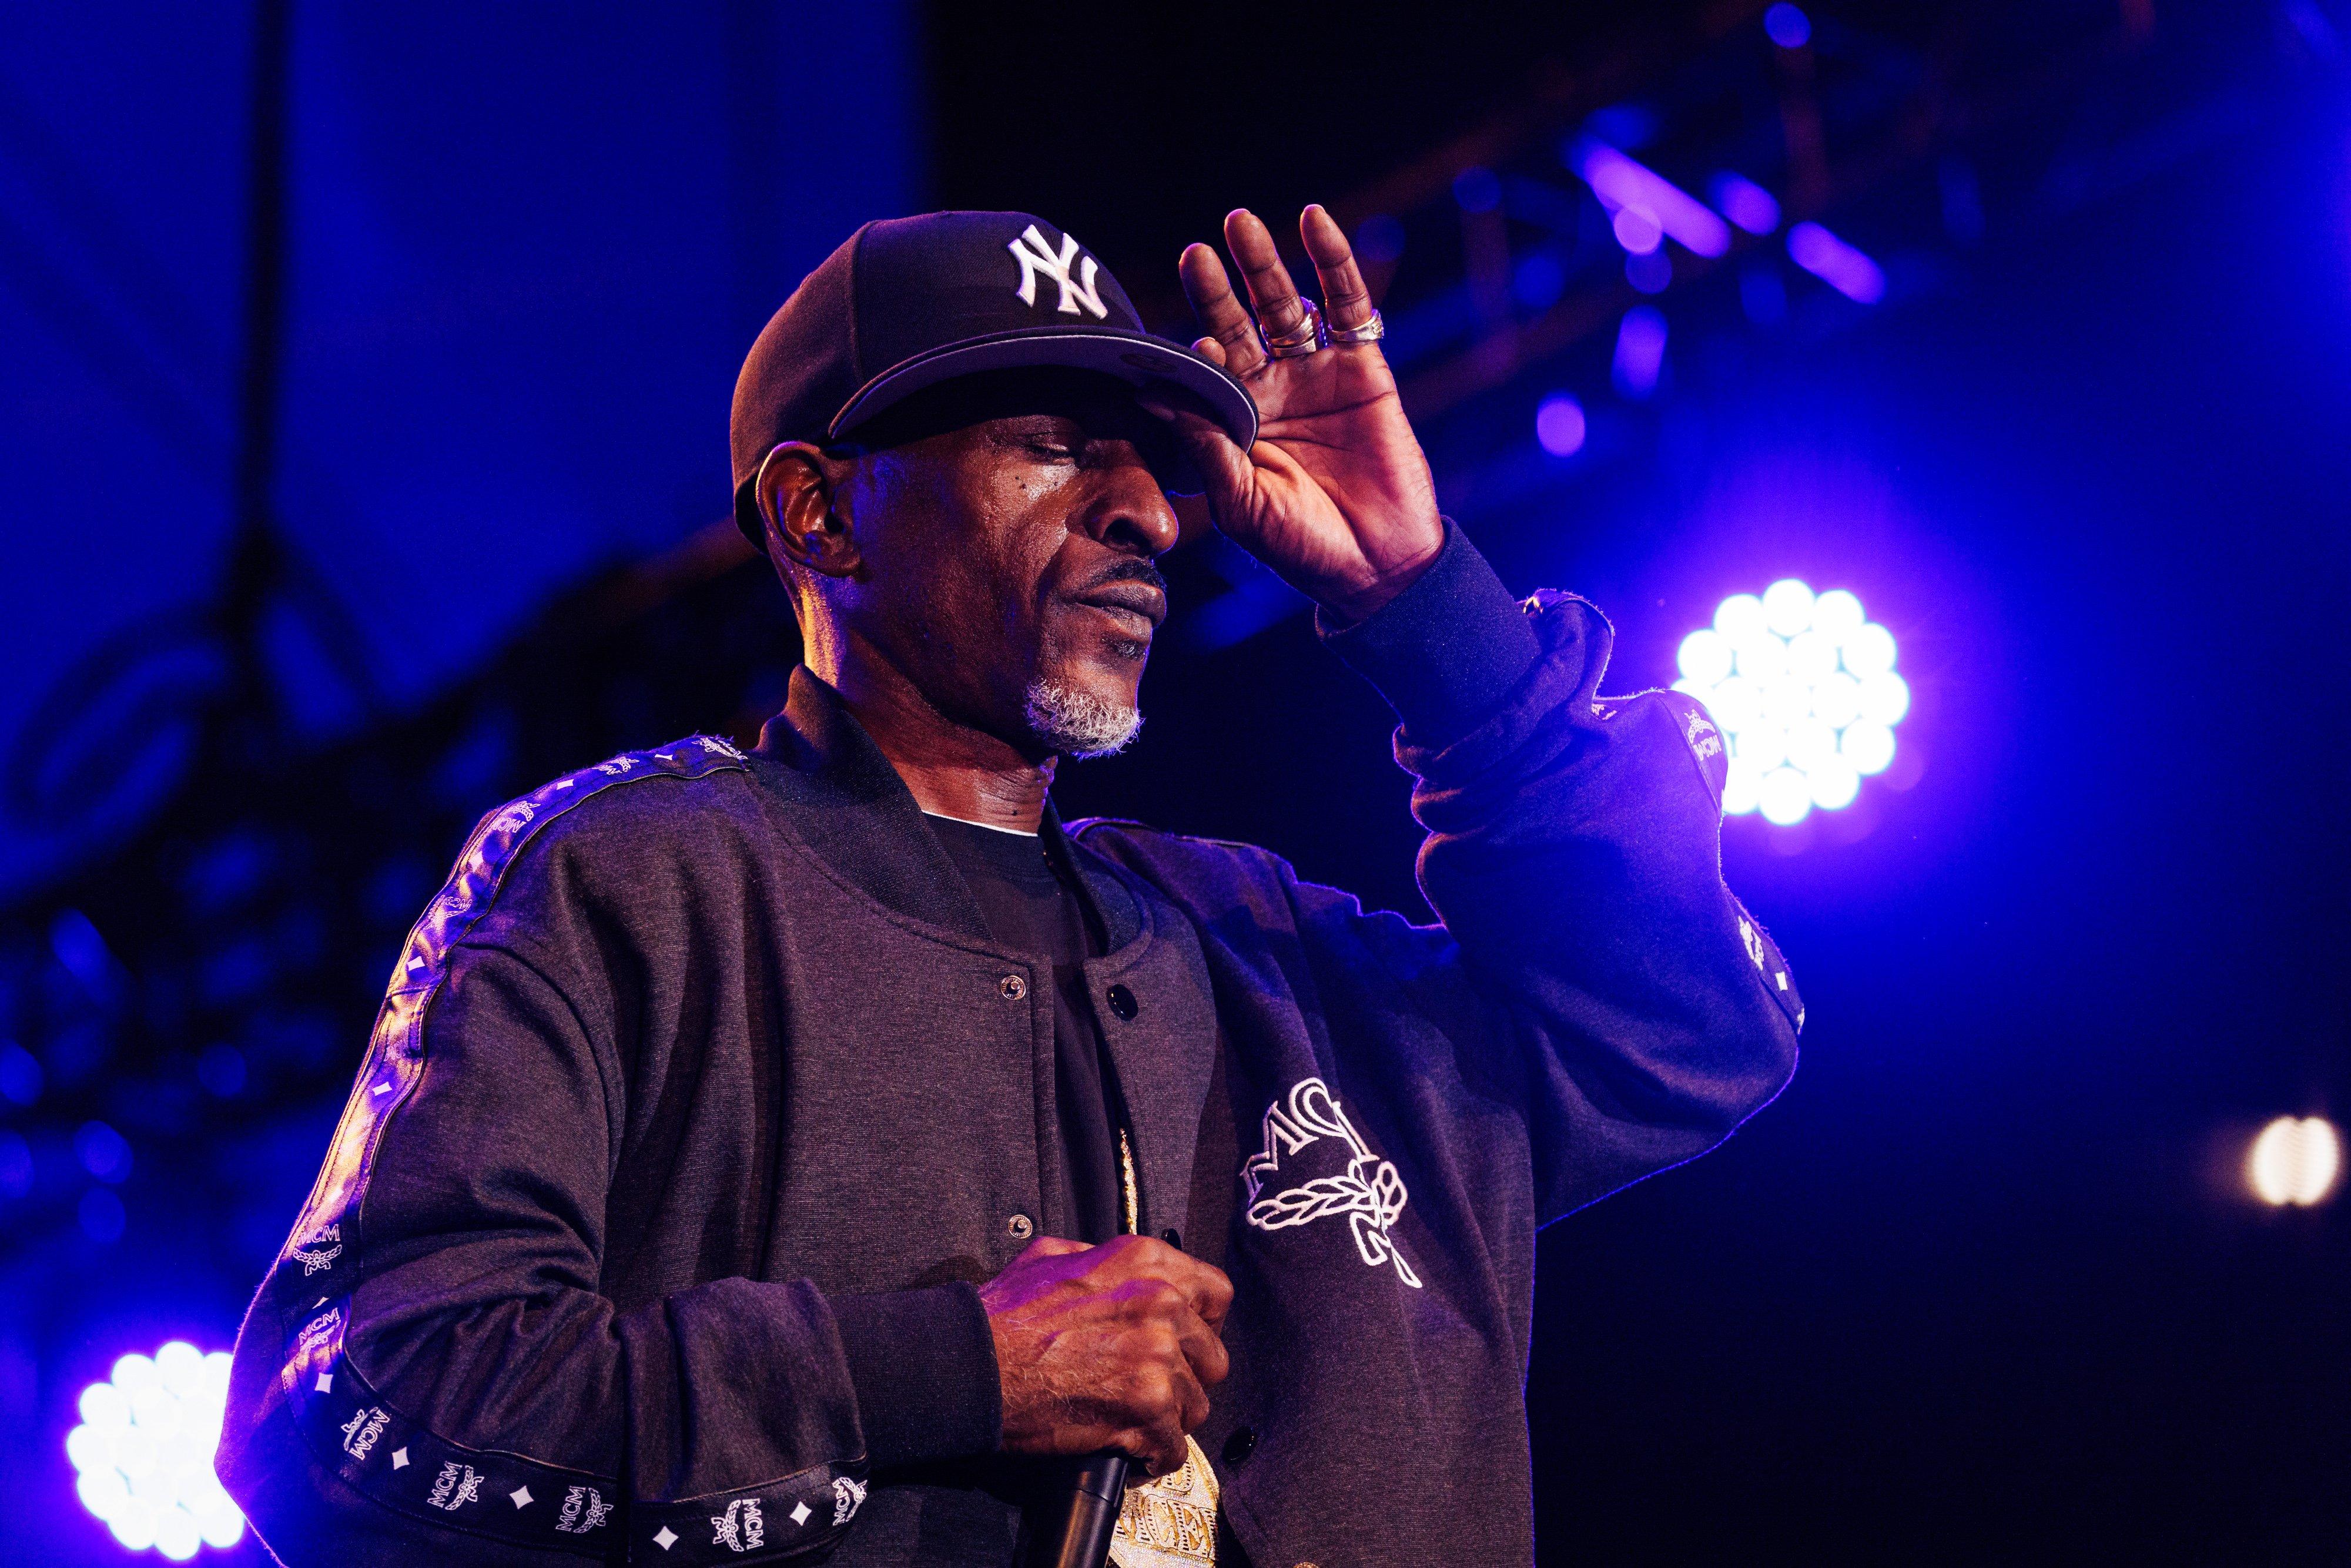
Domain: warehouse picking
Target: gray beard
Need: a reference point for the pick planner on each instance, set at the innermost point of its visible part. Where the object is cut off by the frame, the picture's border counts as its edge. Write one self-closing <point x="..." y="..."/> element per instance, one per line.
<point x="1078" y="726"/>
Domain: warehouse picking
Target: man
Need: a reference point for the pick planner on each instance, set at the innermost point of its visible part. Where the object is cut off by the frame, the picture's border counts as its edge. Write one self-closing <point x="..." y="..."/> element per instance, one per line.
<point x="811" y="1151"/>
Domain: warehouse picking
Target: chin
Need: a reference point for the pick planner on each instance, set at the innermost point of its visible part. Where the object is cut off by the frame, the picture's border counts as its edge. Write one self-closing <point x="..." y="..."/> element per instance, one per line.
<point x="1077" y="718"/>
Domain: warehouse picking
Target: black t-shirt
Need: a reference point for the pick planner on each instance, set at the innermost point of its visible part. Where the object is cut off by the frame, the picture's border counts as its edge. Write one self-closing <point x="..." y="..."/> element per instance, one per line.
<point x="1029" y="906"/>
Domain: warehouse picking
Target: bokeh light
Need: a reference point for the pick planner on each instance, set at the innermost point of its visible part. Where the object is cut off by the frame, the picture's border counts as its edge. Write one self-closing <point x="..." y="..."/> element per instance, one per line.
<point x="1559" y="425"/>
<point x="1804" y="690"/>
<point x="143" y="1452"/>
<point x="2295" y="1161"/>
<point x="1787" y="26"/>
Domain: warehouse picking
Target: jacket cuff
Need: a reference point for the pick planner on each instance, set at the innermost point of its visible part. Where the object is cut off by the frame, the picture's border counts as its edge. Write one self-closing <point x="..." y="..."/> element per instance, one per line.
<point x="923" y="1365"/>
<point x="1446" y="650"/>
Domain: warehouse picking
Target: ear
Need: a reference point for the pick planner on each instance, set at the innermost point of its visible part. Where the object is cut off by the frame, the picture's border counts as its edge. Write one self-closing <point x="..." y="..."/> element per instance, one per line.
<point x="795" y="496"/>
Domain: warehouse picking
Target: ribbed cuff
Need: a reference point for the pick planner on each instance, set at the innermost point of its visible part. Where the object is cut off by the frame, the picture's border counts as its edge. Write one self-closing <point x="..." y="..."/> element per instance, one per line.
<point x="923" y="1365"/>
<point x="1446" y="650"/>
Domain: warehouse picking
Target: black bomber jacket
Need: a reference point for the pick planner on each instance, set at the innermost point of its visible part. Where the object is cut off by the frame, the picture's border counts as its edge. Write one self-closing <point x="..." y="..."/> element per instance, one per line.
<point x="701" y="1101"/>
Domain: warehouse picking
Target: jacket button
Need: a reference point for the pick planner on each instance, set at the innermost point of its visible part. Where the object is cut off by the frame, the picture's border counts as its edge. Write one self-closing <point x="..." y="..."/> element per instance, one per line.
<point x="1012" y="987"/>
<point x="1122" y="1002"/>
<point x="1240" y="1445"/>
<point x="1173" y="1236"/>
<point x="1021" y="1226"/>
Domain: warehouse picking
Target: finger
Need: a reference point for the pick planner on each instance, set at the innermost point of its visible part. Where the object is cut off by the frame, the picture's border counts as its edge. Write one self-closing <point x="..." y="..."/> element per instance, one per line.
<point x="1187" y="1406"/>
<point x="1202" y="1289"/>
<point x="1211" y="350"/>
<point x="1345" y="302"/>
<point x="1160" y="1448"/>
<point x="1202" y="1351"/>
<point x="1269" y="288"/>
<point x="1052" y="1247"/>
<point x="1219" y="309"/>
<point x="1216" y="1296"/>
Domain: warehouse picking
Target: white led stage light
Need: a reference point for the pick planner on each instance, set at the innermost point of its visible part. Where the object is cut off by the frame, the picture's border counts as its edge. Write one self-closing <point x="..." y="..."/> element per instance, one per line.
<point x="2295" y="1161"/>
<point x="1803" y="688"/>
<point x="144" y="1452"/>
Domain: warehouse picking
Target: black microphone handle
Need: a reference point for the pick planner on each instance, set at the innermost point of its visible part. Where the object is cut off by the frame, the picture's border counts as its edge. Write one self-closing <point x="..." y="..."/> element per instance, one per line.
<point x="1083" y="1539"/>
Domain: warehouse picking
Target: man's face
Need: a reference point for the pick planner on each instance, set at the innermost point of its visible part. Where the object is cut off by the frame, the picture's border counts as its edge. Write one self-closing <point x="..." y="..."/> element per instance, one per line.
<point x="1006" y="535"/>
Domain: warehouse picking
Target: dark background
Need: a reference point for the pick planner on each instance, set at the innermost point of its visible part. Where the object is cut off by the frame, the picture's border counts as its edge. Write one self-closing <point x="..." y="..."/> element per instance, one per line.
<point x="337" y="562"/>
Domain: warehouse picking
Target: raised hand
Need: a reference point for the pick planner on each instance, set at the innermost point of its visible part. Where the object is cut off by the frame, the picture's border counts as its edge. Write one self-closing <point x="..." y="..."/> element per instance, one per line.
<point x="1335" y="495"/>
<point x="1112" y="1346"/>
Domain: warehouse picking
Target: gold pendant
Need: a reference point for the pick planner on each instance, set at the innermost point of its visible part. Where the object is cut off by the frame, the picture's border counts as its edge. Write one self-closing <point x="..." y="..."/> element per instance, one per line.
<point x="1171" y="1521"/>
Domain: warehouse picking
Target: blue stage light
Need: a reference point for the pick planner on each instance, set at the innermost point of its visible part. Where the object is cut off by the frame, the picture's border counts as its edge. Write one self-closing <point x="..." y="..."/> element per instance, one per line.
<point x="1640" y="352"/>
<point x="1559" y="425"/>
<point x="1836" y="264"/>
<point x="1746" y="203"/>
<point x="1787" y="26"/>
<point x="144" y="1452"/>
<point x="1803" y="687"/>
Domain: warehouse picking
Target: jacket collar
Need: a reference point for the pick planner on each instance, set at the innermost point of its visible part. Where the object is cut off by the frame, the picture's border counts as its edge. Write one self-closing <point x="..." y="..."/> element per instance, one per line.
<point x="855" y="813"/>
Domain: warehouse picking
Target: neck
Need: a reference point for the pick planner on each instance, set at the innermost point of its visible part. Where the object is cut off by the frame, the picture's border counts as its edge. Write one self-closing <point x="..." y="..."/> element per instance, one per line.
<point x="952" y="769"/>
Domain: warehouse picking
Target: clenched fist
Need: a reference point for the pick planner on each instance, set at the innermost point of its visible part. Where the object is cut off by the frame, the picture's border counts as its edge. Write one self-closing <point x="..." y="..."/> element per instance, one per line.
<point x="1112" y="1346"/>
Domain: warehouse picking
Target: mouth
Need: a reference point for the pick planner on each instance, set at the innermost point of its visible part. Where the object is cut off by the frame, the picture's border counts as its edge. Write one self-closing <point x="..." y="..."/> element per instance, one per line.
<point x="1138" y="608"/>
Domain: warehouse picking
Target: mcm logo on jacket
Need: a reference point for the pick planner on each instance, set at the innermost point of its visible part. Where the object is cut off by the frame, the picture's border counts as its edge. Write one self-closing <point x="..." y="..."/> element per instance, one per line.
<point x="584" y="1508"/>
<point x="1035" y="257"/>
<point x="1367" y="1189"/>
<point x="320" y="1250"/>
<point x="454" y="1487"/>
<point x="740" y="1527"/>
<point x="360" y="1432"/>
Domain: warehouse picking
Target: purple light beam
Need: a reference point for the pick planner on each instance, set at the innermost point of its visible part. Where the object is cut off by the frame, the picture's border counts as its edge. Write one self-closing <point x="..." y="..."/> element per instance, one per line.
<point x="1836" y="264"/>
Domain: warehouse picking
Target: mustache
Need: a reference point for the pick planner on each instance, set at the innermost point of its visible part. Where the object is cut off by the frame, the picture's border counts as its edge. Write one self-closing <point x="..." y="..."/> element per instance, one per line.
<point x="1129" y="570"/>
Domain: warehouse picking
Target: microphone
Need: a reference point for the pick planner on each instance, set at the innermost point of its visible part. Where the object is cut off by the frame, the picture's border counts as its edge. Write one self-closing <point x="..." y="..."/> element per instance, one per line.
<point x="1080" y="1539"/>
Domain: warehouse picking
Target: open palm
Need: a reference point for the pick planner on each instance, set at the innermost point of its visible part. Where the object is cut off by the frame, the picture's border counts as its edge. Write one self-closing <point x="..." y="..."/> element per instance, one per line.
<point x="1335" y="494"/>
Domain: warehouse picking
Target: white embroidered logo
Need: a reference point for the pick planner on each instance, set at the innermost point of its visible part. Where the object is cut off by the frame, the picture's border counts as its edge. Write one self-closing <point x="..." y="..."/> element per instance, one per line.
<point x="455" y="1486"/>
<point x="513" y="818"/>
<point x="584" y="1508"/>
<point x="1035" y="257"/>
<point x="361" y="1430"/>
<point x="740" y="1527"/>
<point x="317" y="1340"/>
<point x="317" y="1254"/>
<point x="848" y="1495"/>
<point x="1702" y="735"/>
<point x="1369" y="1193"/>
<point x="1754" y="940"/>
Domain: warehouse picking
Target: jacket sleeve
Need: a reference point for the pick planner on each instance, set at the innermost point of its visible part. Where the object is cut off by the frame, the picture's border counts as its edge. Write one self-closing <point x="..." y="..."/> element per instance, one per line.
<point x="1573" y="856"/>
<point x="430" y="1366"/>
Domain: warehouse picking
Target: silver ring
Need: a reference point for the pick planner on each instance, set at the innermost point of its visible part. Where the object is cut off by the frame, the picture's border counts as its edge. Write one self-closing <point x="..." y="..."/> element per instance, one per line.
<point x="1371" y="331"/>
<point x="1302" y="338"/>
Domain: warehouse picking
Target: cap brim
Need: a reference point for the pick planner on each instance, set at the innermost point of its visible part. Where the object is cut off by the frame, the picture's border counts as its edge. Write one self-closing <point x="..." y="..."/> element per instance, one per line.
<point x="1135" y="358"/>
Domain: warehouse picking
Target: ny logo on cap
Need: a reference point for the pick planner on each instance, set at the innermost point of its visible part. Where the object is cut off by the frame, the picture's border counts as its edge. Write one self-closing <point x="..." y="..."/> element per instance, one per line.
<point x="1035" y="257"/>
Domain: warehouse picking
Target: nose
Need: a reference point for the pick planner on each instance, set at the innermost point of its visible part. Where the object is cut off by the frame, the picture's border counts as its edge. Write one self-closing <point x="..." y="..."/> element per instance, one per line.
<point x="1131" y="513"/>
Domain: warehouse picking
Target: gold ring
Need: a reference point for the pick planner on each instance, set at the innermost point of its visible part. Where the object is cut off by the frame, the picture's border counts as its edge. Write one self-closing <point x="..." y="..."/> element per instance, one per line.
<point x="1371" y="331"/>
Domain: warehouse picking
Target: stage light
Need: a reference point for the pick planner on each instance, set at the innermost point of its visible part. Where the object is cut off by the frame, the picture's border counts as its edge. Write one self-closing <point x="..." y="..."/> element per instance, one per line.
<point x="1787" y="26"/>
<point x="1650" y="272"/>
<point x="1836" y="264"/>
<point x="1477" y="190"/>
<point x="1746" y="203"/>
<point x="2294" y="1161"/>
<point x="1640" y="352"/>
<point x="1637" y="231"/>
<point x="1803" y="688"/>
<point x="1626" y="185"/>
<point x="1559" y="426"/>
<point x="143" y="1452"/>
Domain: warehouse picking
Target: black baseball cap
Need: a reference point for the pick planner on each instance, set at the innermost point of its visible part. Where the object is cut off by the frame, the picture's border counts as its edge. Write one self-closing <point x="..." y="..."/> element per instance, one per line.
<point x="908" y="303"/>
